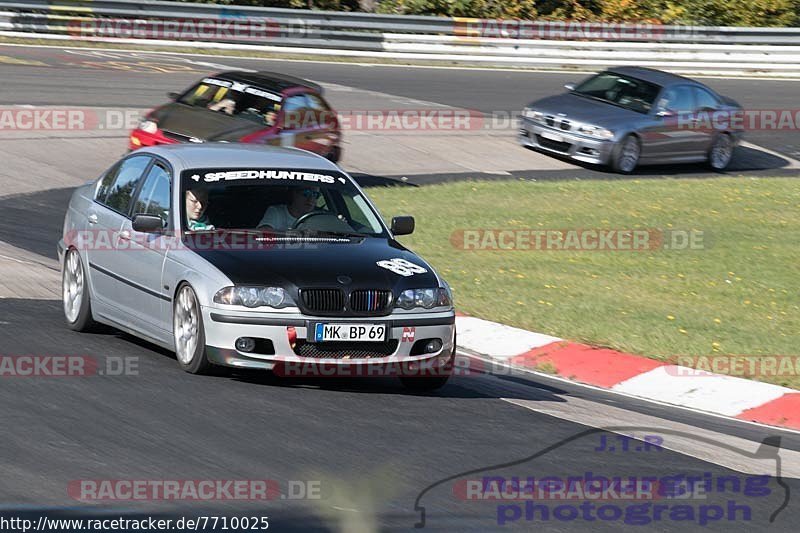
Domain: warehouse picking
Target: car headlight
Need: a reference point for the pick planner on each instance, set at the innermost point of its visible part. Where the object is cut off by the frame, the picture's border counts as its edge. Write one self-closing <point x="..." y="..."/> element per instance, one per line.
<point x="596" y="131"/>
<point x="530" y="113"/>
<point x="425" y="298"/>
<point x="253" y="297"/>
<point x="148" y="126"/>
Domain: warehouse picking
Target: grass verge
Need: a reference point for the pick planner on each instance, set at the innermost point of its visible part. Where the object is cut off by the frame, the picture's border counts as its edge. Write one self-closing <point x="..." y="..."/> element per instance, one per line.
<point x="738" y="295"/>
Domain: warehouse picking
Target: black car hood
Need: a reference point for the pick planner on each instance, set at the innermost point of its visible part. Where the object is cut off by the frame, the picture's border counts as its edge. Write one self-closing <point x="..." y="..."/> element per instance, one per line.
<point x="301" y="265"/>
<point x="202" y="123"/>
<point x="584" y="110"/>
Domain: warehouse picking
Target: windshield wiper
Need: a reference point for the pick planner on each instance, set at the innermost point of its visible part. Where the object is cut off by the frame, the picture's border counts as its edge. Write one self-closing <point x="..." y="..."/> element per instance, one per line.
<point x="351" y="234"/>
<point x="259" y="232"/>
<point x="604" y="101"/>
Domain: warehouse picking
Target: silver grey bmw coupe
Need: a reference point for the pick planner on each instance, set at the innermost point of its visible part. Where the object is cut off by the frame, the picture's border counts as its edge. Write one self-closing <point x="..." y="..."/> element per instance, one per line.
<point x="630" y="116"/>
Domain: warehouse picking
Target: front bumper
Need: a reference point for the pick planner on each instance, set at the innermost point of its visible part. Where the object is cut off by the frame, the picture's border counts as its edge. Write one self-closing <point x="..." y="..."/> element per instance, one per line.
<point x="223" y="328"/>
<point x="568" y="144"/>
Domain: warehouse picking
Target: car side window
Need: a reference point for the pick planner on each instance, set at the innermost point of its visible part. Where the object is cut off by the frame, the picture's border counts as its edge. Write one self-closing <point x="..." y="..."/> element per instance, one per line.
<point x="105" y="183"/>
<point x="316" y="103"/>
<point x="118" y="186"/>
<point x="154" y="198"/>
<point x="297" y="114"/>
<point x="678" y="99"/>
<point x="705" y="100"/>
<point x="323" y="111"/>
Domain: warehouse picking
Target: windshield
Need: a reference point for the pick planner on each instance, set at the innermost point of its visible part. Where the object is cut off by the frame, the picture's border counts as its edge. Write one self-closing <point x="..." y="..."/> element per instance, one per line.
<point x="234" y="99"/>
<point x="623" y="91"/>
<point x="275" y="200"/>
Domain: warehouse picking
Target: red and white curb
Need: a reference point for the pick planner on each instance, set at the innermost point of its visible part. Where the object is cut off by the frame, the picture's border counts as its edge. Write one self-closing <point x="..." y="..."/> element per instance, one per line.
<point x="633" y="374"/>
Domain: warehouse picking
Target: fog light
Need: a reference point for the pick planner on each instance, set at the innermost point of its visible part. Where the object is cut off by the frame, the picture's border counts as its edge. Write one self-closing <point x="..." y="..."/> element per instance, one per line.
<point x="433" y="346"/>
<point x="245" y="344"/>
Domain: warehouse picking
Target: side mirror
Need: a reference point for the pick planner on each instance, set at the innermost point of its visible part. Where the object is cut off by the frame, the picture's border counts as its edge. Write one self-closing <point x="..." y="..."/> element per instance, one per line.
<point x="147" y="223"/>
<point x="172" y="95"/>
<point x="569" y="86"/>
<point x="403" y="225"/>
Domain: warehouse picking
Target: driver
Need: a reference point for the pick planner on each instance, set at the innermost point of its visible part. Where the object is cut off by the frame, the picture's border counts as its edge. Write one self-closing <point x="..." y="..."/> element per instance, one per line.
<point x="282" y="217"/>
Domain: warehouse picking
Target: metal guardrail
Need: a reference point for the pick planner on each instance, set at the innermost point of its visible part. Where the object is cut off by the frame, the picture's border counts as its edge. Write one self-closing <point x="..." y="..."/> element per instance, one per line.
<point x="486" y="42"/>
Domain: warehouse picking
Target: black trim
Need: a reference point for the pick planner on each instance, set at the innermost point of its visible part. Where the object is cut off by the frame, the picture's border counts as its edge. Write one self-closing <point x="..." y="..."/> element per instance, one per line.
<point x="258" y="321"/>
<point x="130" y="283"/>
<point x="438" y="321"/>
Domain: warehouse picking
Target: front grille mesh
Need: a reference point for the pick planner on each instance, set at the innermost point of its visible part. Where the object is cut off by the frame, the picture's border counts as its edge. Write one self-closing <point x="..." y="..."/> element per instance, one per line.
<point x="323" y="300"/>
<point x="370" y="301"/>
<point x="345" y="350"/>
<point x="553" y="145"/>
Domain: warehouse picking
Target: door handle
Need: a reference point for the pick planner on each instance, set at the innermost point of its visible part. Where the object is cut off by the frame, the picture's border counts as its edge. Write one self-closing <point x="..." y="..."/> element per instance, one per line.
<point x="92" y="218"/>
<point x="125" y="235"/>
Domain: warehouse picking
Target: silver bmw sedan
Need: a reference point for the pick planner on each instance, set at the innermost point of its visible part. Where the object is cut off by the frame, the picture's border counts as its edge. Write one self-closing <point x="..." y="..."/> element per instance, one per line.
<point x="254" y="257"/>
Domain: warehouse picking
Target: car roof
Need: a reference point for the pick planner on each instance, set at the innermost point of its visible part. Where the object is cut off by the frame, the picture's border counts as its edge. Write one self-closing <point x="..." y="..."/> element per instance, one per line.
<point x="659" y="77"/>
<point x="237" y="155"/>
<point x="271" y="81"/>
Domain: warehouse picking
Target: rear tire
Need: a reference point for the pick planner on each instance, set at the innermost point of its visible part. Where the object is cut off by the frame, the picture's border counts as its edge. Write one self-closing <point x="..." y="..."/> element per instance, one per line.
<point x="187" y="327"/>
<point x="721" y="152"/>
<point x="625" y="158"/>
<point x="75" y="293"/>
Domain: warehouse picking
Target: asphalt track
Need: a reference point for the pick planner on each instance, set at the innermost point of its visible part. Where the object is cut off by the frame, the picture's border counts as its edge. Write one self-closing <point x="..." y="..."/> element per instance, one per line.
<point x="96" y="78"/>
<point x="378" y="452"/>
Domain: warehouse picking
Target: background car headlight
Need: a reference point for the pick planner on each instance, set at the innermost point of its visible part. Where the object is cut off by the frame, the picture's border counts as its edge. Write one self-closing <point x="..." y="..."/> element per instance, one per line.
<point x="148" y="126"/>
<point x="596" y="131"/>
<point x="532" y="114"/>
<point x="425" y="298"/>
<point x="253" y="297"/>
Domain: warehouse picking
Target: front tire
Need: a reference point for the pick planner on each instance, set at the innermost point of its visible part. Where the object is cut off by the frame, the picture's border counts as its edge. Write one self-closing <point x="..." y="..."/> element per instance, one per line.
<point x="75" y="293"/>
<point x="187" y="327"/>
<point x="626" y="156"/>
<point x="335" y="154"/>
<point x="721" y="152"/>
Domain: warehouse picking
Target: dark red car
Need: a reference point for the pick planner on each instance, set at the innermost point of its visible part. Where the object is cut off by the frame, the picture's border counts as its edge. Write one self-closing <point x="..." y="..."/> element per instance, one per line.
<point x="248" y="107"/>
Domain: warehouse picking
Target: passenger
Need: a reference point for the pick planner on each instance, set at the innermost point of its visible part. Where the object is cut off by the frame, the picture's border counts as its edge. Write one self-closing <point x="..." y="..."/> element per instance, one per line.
<point x="196" y="204"/>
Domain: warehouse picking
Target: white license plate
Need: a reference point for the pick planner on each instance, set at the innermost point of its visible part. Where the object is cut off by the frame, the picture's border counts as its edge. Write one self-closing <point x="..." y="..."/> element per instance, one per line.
<point x="350" y="332"/>
<point x="552" y="136"/>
